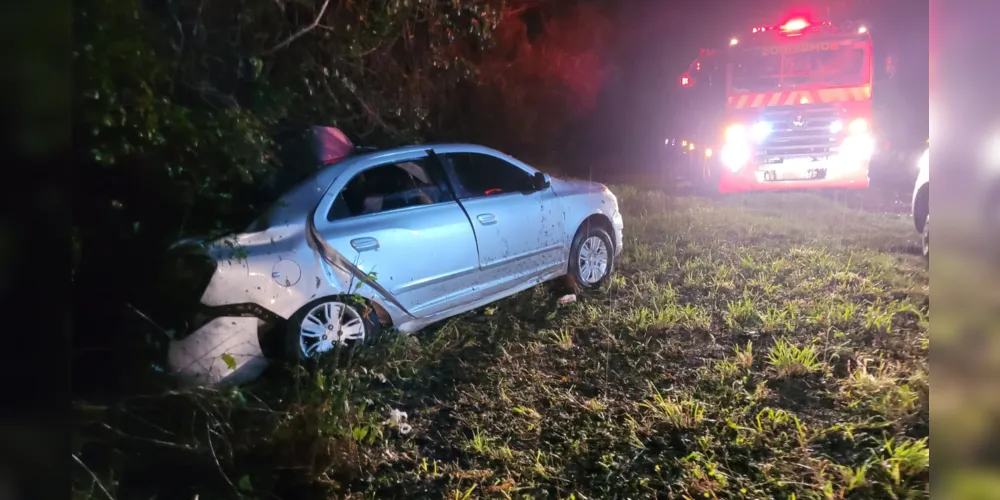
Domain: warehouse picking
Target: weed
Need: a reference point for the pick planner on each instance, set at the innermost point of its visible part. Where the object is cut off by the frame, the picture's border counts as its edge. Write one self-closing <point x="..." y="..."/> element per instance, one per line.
<point x="682" y="413"/>
<point x="744" y="357"/>
<point x="904" y="459"/>
<point x="741" y="314"/>
<point x="563" y="338"/>
<point x="789" y="360"/>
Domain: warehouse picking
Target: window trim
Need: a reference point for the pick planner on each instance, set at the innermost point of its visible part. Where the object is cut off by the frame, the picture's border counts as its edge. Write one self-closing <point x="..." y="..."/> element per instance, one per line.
<point x="456" y="184"/>
<point x="432" y="167"/>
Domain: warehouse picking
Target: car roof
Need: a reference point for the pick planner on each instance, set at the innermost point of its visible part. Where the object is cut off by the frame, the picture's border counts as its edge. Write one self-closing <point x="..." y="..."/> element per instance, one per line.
<point x="359" y="161"/>
<point x="438" y="147"/>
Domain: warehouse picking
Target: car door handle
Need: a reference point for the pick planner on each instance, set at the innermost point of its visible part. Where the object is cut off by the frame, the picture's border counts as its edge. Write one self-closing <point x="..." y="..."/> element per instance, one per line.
<point x="486" y="219"/>
<point x="364" y="244"/>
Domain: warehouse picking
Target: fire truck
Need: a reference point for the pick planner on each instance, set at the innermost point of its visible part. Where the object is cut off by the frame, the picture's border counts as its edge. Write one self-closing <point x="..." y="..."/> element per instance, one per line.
<point x="783" y="107"/>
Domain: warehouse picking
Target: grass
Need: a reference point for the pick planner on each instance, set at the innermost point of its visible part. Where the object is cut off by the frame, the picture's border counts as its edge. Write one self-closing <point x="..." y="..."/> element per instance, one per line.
<point x="767" y="346"/>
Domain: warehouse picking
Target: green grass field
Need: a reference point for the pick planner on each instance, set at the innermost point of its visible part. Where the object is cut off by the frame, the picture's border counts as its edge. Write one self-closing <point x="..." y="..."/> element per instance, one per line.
<point x="767" y="346"/>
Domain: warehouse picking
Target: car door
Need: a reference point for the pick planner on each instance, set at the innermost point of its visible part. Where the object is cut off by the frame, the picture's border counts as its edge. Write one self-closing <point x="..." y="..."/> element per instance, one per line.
<point x="400" y="221"/>
<point x="518" y="228"/>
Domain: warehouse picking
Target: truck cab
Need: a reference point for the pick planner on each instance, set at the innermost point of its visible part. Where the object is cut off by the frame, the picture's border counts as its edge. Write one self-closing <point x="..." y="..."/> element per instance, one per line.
<point x="790" y="107"/>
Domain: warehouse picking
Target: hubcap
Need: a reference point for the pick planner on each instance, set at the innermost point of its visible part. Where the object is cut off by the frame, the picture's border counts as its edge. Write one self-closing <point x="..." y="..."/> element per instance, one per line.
<point x="327" y="325"/>
<point x="593" y="260"/>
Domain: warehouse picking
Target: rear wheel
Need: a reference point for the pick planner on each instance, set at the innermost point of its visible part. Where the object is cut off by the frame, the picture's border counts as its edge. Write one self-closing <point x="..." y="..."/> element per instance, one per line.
<point x="591" y="258"/>
<point x="326" y="324"/>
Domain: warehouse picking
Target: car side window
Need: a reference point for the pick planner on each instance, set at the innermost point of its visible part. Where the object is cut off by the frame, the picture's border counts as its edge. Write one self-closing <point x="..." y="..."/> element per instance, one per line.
<point x="390" y="187"/>
<point x="480" y="175"/>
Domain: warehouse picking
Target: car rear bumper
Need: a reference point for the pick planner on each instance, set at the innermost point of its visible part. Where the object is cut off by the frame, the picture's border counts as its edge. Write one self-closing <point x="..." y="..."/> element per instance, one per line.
<point x="223" y="347"/>
<point x="837" y="174"/>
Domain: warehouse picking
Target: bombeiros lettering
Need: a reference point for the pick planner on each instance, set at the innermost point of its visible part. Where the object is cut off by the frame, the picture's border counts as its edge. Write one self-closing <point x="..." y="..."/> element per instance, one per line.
<point x="801" y="47"/>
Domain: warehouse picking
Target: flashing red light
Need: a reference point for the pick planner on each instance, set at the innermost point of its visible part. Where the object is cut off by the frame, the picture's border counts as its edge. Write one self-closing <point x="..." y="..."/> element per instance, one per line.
<point x="795" y="25"/>
<point x="685" y="81"/>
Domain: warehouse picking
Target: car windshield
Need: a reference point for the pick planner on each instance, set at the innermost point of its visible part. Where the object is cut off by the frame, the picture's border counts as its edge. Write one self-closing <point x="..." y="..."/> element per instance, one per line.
<point x="762" y="70"/>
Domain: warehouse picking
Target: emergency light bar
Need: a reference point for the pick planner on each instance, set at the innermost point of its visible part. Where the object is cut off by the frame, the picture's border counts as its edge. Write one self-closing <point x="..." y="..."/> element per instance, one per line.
<point x="795" y="25"/>
<point x="798" y="25"/>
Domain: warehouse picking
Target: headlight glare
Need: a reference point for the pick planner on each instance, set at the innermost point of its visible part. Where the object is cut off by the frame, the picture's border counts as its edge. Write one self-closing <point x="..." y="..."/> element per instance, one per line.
<point x="760" y="130"/>
<point x="735" y="155"/>
<point x="735" y="133"/>
<point x="859" y="147"/>
<point x="858" y="126"/>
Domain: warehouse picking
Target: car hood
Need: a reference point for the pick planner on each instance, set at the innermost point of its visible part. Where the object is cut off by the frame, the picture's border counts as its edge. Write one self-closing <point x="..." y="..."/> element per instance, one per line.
<point x="567" y="187"/>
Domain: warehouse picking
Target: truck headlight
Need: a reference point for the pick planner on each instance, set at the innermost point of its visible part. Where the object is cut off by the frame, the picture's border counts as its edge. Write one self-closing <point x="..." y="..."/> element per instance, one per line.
<point x="760" y="130"/>
<point x="735" y="155"/>
<point x="736" y="133"/>
<point x="736" y="152"/>
<point x="858" y="126"/>
<point x="858" y="147"/>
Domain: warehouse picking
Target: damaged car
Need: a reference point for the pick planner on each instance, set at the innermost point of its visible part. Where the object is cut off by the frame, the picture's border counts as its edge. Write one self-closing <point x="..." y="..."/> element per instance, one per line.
<point x="398" y="238"/>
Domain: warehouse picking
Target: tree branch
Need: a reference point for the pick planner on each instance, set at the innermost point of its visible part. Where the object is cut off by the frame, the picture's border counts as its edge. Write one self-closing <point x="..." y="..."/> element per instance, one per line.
<point x="300" y="33"/>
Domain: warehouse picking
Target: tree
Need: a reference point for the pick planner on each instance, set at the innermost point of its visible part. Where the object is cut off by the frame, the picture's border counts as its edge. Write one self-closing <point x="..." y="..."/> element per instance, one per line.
<point x="535" y="87"/>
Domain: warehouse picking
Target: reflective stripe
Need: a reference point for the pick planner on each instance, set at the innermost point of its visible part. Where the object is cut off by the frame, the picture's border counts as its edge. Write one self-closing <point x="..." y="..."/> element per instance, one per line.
<point x="791" y="98"/>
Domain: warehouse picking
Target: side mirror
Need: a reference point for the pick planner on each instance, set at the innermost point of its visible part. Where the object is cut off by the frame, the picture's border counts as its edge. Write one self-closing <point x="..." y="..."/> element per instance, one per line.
<point x="540" y="181"/>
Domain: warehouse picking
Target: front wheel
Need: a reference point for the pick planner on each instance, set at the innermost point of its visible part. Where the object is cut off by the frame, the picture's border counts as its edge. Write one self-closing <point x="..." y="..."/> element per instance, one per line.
<point x="591" y="258"/>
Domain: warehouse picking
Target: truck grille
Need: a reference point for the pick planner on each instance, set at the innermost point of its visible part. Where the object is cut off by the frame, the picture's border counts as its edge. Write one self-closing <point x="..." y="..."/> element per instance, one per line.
<point x="798" y="132"/>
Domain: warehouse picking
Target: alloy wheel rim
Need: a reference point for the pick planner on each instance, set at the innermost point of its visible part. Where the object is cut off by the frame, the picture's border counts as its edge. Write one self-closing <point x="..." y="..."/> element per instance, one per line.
<point x="593" y="260"/>
<point x="328" y="325"/>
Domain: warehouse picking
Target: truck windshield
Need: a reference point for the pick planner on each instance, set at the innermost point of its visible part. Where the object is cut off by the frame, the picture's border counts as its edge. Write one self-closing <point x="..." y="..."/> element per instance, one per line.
<point x="760" y="70"/>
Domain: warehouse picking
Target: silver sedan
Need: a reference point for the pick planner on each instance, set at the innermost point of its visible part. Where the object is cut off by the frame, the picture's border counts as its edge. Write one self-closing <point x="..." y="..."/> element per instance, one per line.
<point x="399" y="238"/>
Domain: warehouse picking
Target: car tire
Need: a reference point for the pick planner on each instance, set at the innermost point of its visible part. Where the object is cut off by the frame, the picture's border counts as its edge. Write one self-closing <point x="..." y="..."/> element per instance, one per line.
<point x="591" y="258"/>
<point x="925" y="237"/>
<point x="311" y="322"/>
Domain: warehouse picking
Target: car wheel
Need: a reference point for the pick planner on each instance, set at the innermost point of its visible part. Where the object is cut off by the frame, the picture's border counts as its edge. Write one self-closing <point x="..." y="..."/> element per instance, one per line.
<point x="591" y="258"/>
<point x="925" y="237"/>
<point x="327" y="324"/>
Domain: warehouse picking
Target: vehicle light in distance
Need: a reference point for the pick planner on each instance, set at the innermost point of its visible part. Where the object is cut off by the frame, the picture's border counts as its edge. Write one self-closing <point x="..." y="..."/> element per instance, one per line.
<point x="733" y="41"/>
<point x="862" y="30"/>
<point x="708" y="152"/>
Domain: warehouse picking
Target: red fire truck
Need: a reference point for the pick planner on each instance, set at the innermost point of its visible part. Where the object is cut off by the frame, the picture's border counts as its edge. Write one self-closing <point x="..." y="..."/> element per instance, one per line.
<point x="795" y="108"/>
